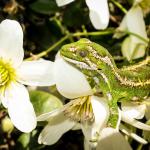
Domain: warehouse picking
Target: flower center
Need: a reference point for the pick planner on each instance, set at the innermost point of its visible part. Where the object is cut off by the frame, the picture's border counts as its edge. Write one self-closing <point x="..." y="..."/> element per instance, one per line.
<point x="80" y="110"/>
<point x="7" y="73"/>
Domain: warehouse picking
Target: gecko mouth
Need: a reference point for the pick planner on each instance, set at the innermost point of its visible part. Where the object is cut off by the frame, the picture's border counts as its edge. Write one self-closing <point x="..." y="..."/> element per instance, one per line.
<point x="81" y="65"/>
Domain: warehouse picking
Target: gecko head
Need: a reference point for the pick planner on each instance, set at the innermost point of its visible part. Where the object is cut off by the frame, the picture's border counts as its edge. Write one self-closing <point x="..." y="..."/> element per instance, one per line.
<point x="85" y="54"/>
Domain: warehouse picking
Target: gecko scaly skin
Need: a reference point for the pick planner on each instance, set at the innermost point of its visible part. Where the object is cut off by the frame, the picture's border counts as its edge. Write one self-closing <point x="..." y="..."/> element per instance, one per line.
<point x="127" y="83"/>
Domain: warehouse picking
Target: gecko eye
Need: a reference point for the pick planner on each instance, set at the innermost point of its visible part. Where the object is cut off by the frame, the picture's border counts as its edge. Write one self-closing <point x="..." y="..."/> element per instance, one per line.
<point x="83" y="53"/>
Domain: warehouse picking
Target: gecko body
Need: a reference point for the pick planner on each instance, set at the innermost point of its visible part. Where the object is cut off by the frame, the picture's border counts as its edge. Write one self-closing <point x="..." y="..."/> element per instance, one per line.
<point x="127" y="83"/>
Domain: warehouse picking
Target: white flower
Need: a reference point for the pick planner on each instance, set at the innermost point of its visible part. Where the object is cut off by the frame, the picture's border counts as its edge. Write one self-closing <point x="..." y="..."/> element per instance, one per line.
<point x="130" y="113"/>
<point x="70" y="82"/>
<point x="133" y="47"/>
<point x="110" y="139"/>
<point x="14" y="72"/>
<point x="144" y="4"/>
<point x="93" y="112"/>
<point x="133" y="110"/>
<point x="99" y="12"/>
<point x="63" y="2"/>
<point x="62" y="120"/>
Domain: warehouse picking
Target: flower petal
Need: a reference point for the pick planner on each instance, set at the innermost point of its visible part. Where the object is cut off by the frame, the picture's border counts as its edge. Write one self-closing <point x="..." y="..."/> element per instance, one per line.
<point x="133" y="48"/>
<point x="112" y="139"/>
<point x="20" y="108"/>
<point x="70" y="82"/>
<point x="99" y="13"/>
<point x="77" y="127"/>
<point x="101" y="113"/>
<point x="122" y="27"/>
<point x="133" y="110"/>
<point x="134" y="122"/>
<point x="133" y="135"/>
<point x="147" y="112"/>
<point x="47" y="116"/>
<point x="127" y="49"/>
<point x="137" y="2"/>
<point x="36" y="73"/>
<point x="63" y="2"/>
<point x="4" y="100"/>
<point x="135" y="24"/>
<point x="56" y="127"/>
<point x="11" y="42"/>
<point x="119" y="119"/>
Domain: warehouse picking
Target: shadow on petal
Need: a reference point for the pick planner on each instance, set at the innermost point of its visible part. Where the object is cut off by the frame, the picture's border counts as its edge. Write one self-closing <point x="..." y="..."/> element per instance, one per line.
<point x="112" y="139"/>
<point x="56" y="127"/>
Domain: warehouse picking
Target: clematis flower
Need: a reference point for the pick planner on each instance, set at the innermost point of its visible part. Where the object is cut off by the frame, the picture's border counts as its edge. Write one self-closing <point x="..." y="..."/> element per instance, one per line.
<point x="59" y="123"/>
<point x="112" y="138"/>
<point x="90" y="112"/>
<point x="71" y="83"/>
<point x="144" y="4"/>
<point x="14" y="72"/>
<point x="99" y="12"/>
<point x="130" y="114"/>
<point x="133" y="47"/>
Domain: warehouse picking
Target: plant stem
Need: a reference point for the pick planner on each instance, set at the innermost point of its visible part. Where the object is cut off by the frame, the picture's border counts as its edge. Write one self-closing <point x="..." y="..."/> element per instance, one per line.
<point x="49" y="49"/>
<point x="78" y="34"/>
<point x="119" y="6"/>
<point x="93" y="33"/>
<point x="43" y="53"/>
<point x="138" y="36"/>
<point x="140" y="147"/>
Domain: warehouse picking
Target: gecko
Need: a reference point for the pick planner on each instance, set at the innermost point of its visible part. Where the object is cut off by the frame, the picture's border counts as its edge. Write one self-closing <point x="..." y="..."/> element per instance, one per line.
<point x="117" y="84"/>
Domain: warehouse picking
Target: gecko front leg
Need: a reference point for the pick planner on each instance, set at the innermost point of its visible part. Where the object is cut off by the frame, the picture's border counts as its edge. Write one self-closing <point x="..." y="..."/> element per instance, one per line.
<point x="114" y="111"/>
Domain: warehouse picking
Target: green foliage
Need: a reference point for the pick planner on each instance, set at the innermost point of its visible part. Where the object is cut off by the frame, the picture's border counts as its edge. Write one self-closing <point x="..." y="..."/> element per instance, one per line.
<point x="44" y="102"/>
<point x="28" y="141"/>
<point x="74" y="11"/>
<point x="7" y="125"/>
<point x="24" y="140"/>
<point x="45" y="7"/>
<point x="45" y="24"/>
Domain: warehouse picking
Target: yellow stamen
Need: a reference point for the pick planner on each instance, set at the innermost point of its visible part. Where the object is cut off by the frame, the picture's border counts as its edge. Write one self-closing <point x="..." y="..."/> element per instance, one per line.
<point x="7" y="74"/>
<point x="80" y="110"/>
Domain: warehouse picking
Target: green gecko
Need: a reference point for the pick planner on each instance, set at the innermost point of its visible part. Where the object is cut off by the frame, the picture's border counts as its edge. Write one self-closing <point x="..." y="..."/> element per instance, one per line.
<point x="127" y="83"/>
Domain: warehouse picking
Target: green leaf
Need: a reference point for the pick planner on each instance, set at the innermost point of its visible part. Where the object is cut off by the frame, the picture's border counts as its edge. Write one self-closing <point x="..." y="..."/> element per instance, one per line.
<point x="44" y="102"/>
<point x="76" y="15"/>
<point x="24" y="140"/>
<point x="28" y="141"/>
<point x="45" y="7"/>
